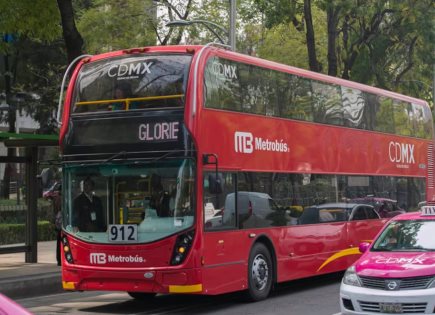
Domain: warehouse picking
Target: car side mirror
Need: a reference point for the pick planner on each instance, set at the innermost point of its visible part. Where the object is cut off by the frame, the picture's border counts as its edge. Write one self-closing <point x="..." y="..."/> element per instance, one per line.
<point x="363" y="247"/>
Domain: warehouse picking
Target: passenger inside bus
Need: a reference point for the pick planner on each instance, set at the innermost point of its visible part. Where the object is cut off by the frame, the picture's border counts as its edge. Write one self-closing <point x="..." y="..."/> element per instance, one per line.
<point x="88" y="213"/>
<point x="159" y="197"/>
<point x="122" y="91"/>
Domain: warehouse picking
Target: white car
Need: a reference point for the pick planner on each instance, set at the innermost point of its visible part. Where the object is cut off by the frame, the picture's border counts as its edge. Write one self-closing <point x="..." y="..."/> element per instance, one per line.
<point x="395" y="274"/>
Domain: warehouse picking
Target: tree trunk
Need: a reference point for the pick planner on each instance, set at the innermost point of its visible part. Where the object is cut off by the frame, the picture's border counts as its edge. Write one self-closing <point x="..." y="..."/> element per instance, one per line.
<point x="332" y="17"/>
<point x="73" y="39"/>
<point x="311" y="44"/>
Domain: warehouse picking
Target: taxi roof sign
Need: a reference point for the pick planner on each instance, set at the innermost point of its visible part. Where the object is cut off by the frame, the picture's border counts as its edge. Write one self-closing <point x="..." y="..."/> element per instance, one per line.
<point x="428" y="210"/>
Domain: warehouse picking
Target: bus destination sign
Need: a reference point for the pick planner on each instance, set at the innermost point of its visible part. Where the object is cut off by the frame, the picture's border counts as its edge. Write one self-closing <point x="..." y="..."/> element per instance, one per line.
<point x="162" y="133"/>
<point x="159" y="131"/>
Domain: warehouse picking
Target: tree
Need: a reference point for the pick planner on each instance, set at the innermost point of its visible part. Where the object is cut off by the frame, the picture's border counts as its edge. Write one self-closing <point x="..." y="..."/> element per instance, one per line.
<point x="21" y="21"/>
<point x="113" y="25"/>
<point x="73" y="39"/>
<point x="373" y="42"/>
<point x="171" y="10"/>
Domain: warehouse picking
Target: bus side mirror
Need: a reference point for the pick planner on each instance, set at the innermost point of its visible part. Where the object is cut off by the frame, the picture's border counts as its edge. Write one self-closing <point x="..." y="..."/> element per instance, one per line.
<point x="215" y="184"/>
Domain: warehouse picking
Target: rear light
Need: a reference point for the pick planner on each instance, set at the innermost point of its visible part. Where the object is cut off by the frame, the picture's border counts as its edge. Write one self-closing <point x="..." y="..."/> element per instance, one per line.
<point x="67" y="250"/>
<point x="182" y="247"/>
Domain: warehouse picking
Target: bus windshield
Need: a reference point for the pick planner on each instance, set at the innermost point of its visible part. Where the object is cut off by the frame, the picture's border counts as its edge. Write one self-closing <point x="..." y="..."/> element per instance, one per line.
<point x="158" y="198"/>
<point x="131" y="82"/>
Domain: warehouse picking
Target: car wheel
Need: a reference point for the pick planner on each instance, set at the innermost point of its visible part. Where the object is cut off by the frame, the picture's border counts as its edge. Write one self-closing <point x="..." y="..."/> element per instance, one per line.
<point x="260" y="273"/>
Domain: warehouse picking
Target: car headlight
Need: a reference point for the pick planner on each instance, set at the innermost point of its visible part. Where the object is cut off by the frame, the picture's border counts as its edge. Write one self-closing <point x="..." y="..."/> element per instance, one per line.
<point x="350" y="277"/>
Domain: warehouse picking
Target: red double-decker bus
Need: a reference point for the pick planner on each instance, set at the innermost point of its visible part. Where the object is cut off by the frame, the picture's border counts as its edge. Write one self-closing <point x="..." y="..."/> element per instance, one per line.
<point x="194" y="169"/>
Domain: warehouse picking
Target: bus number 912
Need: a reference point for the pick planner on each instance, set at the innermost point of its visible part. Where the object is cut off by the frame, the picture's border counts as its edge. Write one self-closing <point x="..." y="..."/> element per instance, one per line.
<point x="122" y="233"/>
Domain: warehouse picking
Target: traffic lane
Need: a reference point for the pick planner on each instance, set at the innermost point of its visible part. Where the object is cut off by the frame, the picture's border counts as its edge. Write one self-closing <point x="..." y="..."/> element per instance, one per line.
<point x="314" y="296"/>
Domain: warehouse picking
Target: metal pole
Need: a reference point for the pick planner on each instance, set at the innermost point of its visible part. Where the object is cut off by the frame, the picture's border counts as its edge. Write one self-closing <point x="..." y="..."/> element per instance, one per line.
<point x="232" y="33"/>
<point x="32" y="207"/>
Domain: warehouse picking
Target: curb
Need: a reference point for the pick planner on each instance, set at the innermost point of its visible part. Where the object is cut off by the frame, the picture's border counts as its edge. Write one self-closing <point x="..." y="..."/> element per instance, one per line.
<point x="32" y="285"/>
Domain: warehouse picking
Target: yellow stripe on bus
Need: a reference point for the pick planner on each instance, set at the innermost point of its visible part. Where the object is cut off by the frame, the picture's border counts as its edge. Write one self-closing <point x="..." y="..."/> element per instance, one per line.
<point x="343" y="253"/>
<point x="185" y="288"/>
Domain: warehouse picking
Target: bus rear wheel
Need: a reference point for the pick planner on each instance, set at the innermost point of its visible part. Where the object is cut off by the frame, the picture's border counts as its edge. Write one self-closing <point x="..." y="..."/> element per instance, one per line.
<point x="142" y="296"/>
<point x="260" y="273"/>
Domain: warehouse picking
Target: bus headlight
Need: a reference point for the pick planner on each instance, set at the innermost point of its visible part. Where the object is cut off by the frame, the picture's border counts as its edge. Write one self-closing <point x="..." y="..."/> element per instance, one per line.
<point x="351" y="278"/>
<point x="67" y="250"/>
<point x="182" y="246"/>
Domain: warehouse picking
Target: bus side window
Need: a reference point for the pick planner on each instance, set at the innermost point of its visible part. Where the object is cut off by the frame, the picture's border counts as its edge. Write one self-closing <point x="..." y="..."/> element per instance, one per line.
<point x="219" y="207"/>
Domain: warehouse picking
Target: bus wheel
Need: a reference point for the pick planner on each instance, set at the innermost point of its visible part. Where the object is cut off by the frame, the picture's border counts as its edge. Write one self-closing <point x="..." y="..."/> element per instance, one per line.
<point x="142" y="296"/>
<point x="260" y="273"/>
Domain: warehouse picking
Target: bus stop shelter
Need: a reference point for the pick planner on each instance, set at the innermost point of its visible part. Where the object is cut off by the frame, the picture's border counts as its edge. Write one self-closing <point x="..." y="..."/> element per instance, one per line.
<point x="31" y="143"/>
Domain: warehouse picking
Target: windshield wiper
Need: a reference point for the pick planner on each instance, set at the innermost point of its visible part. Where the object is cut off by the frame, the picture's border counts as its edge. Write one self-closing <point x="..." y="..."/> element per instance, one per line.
<point x="383" y="249"/>
<point x="121" y="153"/>
<point x="415" y="249"/>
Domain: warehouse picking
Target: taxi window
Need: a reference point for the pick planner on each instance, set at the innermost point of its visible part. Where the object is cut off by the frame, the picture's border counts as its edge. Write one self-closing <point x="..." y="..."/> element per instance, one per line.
<point x="409" y="235"/>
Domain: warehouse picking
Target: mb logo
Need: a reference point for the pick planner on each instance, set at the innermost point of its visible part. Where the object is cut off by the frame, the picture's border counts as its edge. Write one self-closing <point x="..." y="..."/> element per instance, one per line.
<point x="97" y="258"/>
<point x="243" y="142"/>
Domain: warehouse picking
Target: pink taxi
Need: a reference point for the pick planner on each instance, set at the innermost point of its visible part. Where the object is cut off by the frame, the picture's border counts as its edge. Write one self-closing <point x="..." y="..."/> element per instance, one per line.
<point x="396" y="273"/>
<point x="9" y="307"/>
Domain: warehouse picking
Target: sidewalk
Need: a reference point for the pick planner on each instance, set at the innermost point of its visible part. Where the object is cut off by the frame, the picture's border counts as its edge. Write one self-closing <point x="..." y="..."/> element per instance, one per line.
<point x="19" y="279"/>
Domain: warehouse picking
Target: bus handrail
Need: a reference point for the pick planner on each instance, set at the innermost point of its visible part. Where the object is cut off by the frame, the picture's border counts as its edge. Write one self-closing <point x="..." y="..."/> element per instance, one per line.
<point x="63" y="85"/>
<point x="128" y="100"/>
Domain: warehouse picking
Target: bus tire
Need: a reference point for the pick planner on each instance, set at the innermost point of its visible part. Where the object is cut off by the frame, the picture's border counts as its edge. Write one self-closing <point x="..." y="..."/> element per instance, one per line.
<point x="142" y="296"/>
<point x="260" y="273"/>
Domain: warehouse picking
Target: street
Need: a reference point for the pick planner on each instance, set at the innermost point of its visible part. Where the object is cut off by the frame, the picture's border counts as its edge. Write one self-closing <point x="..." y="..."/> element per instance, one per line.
<point x="315" y="296"/>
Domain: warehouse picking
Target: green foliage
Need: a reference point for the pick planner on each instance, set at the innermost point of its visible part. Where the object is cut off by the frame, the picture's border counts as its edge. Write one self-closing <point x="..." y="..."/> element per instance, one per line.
<point x="388" y="44"/>
<point x="10" y="214"/>
<point x="15" y="233"/>
<point x="292" y="43"/>
<point x="33" y="75"/>
<point x="113" y="24"/>
<point x="37" y="20"/>
<point x="279" y="11"/>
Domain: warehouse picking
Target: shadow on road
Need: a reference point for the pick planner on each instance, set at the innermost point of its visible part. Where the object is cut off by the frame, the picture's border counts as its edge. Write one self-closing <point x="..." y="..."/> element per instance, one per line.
<point x="232" y="303"/>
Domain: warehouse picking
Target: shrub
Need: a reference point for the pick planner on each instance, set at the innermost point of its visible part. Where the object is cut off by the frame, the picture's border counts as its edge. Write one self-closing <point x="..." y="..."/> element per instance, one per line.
<point x="15" y="233"/>
<point x="17" y="214"/>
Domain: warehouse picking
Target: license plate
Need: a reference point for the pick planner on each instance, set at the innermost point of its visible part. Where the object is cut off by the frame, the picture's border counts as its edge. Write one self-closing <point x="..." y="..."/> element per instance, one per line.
<point x="392" y="308"/>
<point x="124" y="233"/>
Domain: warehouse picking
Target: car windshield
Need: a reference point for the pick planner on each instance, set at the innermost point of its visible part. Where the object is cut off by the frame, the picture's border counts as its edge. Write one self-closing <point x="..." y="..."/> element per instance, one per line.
<point x="407" y="235"/>
<point x="157" y="197"/>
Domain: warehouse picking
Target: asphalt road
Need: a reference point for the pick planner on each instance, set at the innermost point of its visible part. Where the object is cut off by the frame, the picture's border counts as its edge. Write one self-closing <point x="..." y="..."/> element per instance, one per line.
<point x="315" y="296"/>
